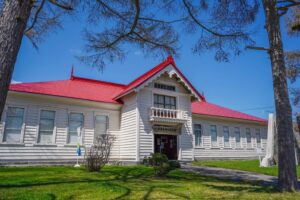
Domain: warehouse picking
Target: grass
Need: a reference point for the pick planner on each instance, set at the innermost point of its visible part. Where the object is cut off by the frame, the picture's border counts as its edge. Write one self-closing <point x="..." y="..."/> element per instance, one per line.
<point x="130" y="182"/>
<point x="244" y="165"/>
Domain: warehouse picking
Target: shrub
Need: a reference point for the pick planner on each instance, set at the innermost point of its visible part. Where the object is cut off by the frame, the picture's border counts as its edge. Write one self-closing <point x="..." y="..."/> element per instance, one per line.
<point x="174" y="164"/>
<point x="160" y="163"/>
<point x="98" y="154"/>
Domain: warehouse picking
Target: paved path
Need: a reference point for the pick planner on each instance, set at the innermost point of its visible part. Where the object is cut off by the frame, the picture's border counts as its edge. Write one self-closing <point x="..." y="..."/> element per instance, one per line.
<point x="230" y="174"/>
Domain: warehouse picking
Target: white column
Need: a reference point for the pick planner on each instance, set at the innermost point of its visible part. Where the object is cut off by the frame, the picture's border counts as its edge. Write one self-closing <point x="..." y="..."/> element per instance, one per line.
<point x="268" y="159"/>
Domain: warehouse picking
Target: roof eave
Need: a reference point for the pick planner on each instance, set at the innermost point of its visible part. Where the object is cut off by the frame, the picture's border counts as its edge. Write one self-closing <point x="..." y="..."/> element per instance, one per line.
<point x="265" y="122"/>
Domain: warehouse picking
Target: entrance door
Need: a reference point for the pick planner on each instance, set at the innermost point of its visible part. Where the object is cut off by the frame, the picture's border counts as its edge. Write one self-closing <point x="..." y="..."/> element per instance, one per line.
<point x="166" y="144"/>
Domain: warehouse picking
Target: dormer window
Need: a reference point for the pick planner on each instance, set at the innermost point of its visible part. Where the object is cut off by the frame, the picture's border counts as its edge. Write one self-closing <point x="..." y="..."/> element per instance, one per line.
<point x="164" y="86"/>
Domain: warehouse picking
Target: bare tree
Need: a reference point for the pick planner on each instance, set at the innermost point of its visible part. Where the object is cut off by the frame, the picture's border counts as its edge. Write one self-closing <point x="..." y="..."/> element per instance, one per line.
<point x="32" y="18"/>
<point x="224" y="26"/>
<point x="127" y="23"/>
<point x="98" y="154"/>
<point x="293" y="21"/>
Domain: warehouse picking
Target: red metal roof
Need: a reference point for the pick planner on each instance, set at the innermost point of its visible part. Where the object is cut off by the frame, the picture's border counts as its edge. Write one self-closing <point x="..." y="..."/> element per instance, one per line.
<point x="101" y="91"/>
<point x="78" y="88"/>
<point x="205" y="108"/>
<point x="146" y="76"/>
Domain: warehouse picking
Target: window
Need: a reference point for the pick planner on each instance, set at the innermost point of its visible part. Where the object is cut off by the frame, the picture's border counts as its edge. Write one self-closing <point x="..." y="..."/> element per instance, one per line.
<point x="198" y="134"/>
<point x="46" y="127"/>
<point x="258" y="138"/>
<point x="248" y="137"/>
<point x="13" y="124"/>
<point x="226" y="136"/>
<point x="75" y="126"/>
<point x="237" y="134"/>
<point x="214" y="137"/>
<point x="164" y="87"/>
<point x="101" y="125"/>
<point x="161" y="101"/>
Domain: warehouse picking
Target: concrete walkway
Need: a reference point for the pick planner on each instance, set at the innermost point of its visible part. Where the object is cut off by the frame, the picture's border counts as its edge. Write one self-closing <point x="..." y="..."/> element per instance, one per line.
<point x="230" y="174"/>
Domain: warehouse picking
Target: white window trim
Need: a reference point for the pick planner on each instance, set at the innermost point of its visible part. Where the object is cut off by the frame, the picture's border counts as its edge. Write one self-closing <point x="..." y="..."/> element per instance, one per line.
<point x="235" y="142"/>
<point x="165" y="83"/>
<point x="82" y="131"/>
<point x="228" y="138"/>
<point x="211" y="142"/>
<point x="94" y="120"/>
<point x="164" y="94"/>
<point x="54" y="128"/>
<point x="22" y="135"/>
<point x="259" y="131"/>
<point x="202" y="133"/>
<point x="251" y="134"/>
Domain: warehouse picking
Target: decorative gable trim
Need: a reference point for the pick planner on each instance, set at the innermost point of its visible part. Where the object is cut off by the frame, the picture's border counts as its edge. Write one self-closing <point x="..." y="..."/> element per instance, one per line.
<point x="172" y="72"/>
<point x="167" y="66"/>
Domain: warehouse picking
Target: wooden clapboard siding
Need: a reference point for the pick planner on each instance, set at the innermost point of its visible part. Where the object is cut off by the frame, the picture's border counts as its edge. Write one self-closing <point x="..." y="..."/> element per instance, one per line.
<point x="128" y="132"/>
<point x="145" y="102"/>
<point x="146" y="137"/>
<point x="29" y="151"/>
<point x="206" y="151"/>
<point x="186" y="137"/>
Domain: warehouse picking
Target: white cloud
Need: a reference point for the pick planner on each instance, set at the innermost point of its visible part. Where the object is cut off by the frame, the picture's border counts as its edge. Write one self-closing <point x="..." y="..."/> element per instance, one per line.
<point x="15" y="82"/>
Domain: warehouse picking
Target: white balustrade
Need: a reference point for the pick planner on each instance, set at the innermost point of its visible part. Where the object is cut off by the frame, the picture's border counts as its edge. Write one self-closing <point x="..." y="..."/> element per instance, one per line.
<point x="162" y="113"/>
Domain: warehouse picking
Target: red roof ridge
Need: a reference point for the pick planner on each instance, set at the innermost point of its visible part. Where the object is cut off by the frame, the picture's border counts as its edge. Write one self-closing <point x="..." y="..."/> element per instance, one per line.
<point x="153" y="71"/>
<point x="96" y="81"/>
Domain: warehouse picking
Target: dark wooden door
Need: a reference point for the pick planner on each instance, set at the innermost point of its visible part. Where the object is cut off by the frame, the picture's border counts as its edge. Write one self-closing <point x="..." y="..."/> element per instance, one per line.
<point x="166" y="144"/>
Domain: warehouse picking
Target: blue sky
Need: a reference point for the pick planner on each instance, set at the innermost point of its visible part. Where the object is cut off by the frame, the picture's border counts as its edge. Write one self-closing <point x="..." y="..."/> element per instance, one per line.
<point x="244" y="84"/>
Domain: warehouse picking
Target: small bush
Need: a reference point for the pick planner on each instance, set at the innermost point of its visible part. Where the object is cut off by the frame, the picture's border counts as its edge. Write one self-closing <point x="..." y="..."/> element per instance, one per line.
<point x="174" y="164"/>
<point x="98" y="154"/>
<point x="160" y="163"/>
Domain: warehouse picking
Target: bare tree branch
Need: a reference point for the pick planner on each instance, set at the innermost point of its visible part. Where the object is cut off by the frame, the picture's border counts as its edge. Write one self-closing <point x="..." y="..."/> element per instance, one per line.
<point x="35" y="17"/>
<point x="258" y="48"/>
<point x="206" y="28"/>
<point x="65" y="7"/>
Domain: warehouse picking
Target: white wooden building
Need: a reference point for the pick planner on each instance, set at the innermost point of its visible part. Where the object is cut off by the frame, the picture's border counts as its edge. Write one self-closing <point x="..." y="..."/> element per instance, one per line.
<point x="159" y="111"/>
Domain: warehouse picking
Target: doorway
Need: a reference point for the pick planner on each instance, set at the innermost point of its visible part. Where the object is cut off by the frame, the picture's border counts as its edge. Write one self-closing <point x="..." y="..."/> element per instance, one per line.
<point x="166" y="144"/>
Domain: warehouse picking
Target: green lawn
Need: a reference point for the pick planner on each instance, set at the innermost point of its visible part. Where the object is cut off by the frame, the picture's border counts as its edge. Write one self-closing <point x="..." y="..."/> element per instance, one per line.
<point x="135" y="182"/>
<point x="245" y="165"/>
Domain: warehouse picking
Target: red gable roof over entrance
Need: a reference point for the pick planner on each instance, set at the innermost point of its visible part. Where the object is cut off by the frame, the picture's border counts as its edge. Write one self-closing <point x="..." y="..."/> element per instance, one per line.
<point x="101" y="91"/>
<point x="146" y="76"/>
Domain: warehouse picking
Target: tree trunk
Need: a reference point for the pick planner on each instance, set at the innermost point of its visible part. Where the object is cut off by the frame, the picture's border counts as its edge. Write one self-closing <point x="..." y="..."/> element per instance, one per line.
<point x="287" y="177"/>
<point x="13" y="20"/>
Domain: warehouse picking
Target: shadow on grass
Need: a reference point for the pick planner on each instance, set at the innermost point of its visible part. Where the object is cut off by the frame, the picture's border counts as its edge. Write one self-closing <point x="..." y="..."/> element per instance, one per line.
<point x="251" y="186"/>
<point x="123" y="175"/>
<point x="163" y="189"/>
<point x="110" y="175"/>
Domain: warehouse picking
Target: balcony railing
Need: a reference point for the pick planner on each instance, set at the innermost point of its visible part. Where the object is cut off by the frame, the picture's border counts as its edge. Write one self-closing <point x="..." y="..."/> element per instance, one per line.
<point x="162" y="114"/>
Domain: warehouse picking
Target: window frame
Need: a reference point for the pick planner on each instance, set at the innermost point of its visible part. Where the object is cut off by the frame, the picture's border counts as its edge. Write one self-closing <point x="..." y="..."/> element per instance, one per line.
<point x="81" y="131"/>
<point x="237" y="144"/>
<point x="54" y="127"/>
<point x="107" y="127"/>
<point x="258" y="131"/>
<point x="156" y="105"/>
<point x="228" y="131"/>
<point x="3" y="121"/>
<point x="248" y="144"/>
<point x="201" y="135"/>
<point x="163" y="86"/>
<point x="217" y="140"/>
